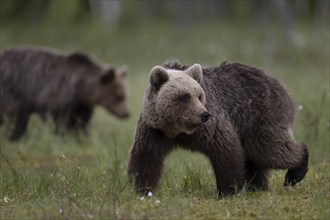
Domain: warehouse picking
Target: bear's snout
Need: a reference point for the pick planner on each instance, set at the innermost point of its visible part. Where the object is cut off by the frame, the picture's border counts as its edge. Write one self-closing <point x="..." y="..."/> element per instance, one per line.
<point x="124" y="115"/>
<point x="205" y="116"/>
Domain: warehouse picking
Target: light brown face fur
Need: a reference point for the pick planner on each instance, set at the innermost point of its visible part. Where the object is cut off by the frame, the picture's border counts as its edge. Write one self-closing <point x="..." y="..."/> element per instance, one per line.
<point x="110" y="92"/>
<point x="175" y="100"/>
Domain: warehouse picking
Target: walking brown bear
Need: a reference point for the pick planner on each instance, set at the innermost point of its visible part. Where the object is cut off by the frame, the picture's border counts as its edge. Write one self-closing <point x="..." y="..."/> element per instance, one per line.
<point x="68" y="86"/>
<point x="240" y="117"/>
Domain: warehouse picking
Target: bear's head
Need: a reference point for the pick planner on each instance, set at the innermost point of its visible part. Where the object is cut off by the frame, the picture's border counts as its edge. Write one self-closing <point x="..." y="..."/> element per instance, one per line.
<point x="112" y="92"/>
<point x="175" y="101"/>
<point x="101" y="84"/>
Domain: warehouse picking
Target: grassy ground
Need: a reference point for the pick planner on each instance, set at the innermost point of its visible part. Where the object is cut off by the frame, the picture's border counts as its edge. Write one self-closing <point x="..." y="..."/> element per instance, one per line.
<point x="46" y="176"/>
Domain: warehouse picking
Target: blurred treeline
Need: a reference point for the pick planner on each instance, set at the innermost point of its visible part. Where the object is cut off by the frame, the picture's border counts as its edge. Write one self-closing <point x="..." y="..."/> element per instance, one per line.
<point x="184" y="13"/>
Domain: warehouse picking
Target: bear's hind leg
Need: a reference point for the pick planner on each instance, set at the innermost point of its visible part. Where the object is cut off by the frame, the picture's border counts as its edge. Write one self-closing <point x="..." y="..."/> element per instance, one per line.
<point x="256" y="177"/>
<point x="295" y="175"/>
<point x="276" y="148"/>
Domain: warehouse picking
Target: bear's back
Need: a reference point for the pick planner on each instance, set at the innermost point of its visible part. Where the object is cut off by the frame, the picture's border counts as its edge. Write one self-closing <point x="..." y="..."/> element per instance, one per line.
<point x="247" y="95"/>
<point x="31" y="76"/>
<point x="25" y="65"/>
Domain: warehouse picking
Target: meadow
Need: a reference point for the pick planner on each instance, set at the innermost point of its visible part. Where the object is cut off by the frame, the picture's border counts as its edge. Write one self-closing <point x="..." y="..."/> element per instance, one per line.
<point x="44" y="176"/>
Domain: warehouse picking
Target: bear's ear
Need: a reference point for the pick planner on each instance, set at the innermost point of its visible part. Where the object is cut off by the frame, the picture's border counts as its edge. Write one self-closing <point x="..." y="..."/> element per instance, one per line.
<point x="79" y="58"/>
<point x="158" y="76"/>
<point x="108" y="76"/>
<point x="123" y="71"/>
<point x="196" y="72"/>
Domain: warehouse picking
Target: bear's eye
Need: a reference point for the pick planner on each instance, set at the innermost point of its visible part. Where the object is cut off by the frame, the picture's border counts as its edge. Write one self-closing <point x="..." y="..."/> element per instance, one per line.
<point x="200" y="97"/>
<point x="184" y="98"/>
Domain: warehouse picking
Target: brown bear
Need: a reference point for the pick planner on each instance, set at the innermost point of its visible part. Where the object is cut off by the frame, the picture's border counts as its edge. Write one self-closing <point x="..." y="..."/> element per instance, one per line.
<point x="240" y="117"/>
<point x="66" y="85"/>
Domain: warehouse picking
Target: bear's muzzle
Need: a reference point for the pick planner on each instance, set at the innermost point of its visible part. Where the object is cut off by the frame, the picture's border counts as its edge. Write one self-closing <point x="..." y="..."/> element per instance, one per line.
<point x="205" y="116"/>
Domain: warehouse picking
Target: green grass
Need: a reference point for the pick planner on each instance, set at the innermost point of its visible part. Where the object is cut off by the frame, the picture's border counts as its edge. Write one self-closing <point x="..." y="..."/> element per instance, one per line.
<point x="44" y="176"/>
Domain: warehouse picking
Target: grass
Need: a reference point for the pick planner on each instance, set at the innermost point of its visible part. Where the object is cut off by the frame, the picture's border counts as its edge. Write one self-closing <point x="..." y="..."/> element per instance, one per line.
<point x="44" y="176"/>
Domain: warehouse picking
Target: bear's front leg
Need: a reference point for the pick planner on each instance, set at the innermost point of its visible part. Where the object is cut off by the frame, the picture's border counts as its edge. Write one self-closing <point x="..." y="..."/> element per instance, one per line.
<point x="20" y="124"/>
<point x="147" y="155"/>
<point x="229" y="175"/>
<point x="79" y="118"/>
<point x="228" y="161"/>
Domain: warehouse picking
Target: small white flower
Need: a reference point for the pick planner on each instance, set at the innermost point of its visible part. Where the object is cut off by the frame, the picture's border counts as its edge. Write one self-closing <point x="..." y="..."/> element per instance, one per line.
<point x="6" y="199"/>
<point x="150" y="194"/>
<point x="90" y="216"/>
<point x="157" y="201"/>
<point x="74" y="194"/>
<point x="60" y="210"/>
<point x="300" y="107"/>
<point x="63" y="156"/>
<point x="142" y="198"/>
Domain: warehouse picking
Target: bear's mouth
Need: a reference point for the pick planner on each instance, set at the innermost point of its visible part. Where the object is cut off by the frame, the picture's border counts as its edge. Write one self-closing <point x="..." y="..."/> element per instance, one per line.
<point x="193" y="126"/>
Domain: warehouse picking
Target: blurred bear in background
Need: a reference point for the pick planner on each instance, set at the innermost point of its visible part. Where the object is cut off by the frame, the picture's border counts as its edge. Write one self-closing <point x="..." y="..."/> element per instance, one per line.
<point x="66" y="86"/>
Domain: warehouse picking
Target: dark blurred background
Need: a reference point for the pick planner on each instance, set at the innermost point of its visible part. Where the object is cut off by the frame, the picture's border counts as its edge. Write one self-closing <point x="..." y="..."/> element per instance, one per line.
<point x="186" y="14"/>
<point x="164" y="28"/>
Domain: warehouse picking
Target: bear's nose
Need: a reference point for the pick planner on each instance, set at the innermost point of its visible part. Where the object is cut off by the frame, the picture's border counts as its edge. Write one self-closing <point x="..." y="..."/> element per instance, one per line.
<point x="125" y="115"/>
<point x="205" y="116"/>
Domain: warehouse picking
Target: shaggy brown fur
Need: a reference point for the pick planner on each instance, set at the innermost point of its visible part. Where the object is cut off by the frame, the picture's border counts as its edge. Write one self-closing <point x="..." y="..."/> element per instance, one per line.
<point x="249" y="133"/>
<point x="41" y="80"/>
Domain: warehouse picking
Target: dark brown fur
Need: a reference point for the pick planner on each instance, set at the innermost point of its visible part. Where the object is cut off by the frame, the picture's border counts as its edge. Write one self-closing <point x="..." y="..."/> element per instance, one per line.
<point x="248" y="135"/>
<point x="68" y="86"/>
